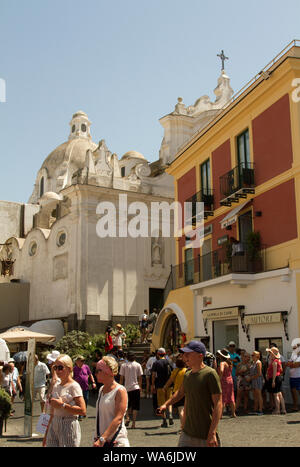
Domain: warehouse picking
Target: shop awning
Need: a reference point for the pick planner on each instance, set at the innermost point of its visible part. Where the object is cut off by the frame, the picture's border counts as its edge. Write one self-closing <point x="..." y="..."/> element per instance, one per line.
<point x="231" y="217"/>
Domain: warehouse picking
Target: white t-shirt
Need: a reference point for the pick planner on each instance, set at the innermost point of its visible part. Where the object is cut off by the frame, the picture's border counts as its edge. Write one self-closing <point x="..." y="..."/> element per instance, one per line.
<point x="149" y="365"/>
<point x="67" y="394"/>
<point x="40" y="374"/>
<point x="295" y="372"/>
<point x="131" y="372"/>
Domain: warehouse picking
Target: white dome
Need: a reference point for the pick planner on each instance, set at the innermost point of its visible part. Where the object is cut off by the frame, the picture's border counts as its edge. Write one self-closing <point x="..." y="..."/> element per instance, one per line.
<point x="133" y="155"/>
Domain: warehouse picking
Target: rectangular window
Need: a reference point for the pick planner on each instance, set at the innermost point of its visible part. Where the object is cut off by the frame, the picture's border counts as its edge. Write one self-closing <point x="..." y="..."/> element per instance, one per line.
<point x="243" y="149"/>
<point x="189" y="266"/>
<point x="205" y="177"/>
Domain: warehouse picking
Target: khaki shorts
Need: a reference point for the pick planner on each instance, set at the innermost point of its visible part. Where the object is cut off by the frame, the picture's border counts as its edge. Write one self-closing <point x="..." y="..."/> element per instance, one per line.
<point x="40" y="394"/>
<point x="163" y="396"/>
<point x="189" y="441"/>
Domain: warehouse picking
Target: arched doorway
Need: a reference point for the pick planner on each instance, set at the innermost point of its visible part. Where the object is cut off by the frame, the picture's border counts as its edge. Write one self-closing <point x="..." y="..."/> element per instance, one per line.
<point x="172" y="333"/>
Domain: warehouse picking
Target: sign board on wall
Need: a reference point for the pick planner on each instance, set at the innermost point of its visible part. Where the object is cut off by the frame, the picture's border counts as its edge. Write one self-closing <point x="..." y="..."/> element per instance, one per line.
<point x="267" y="318"/>
<point x="223" y="313"/>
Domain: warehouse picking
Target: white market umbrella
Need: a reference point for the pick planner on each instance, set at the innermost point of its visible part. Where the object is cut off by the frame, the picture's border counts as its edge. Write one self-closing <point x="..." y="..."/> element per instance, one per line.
<point x="23" y="335"/>
<point x="4" y="351"/>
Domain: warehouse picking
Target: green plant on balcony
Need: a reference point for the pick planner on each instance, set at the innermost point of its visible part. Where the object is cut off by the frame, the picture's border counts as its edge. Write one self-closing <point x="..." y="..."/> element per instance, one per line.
<point x="253" y="244"/>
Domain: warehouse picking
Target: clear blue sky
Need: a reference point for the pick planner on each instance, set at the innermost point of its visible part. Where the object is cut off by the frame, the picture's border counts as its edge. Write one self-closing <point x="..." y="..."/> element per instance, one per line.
<point x="124" y="63"/>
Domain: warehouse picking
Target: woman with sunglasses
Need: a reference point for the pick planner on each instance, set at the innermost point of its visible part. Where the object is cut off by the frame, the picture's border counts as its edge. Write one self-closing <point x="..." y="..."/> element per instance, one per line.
<point x="66" y="404"/>
<point x="111" y="406"/>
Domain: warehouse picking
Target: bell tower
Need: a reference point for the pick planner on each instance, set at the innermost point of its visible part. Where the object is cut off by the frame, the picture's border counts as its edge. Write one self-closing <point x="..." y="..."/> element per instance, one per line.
<point x="80" y="126"/>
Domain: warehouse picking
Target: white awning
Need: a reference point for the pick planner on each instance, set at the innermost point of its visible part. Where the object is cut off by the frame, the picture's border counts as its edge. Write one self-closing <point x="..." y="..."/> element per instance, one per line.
<point x="231" y="217"/>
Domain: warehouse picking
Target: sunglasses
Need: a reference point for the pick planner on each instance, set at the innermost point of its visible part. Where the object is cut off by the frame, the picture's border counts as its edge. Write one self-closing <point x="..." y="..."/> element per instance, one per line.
<point x="58" y="367"/>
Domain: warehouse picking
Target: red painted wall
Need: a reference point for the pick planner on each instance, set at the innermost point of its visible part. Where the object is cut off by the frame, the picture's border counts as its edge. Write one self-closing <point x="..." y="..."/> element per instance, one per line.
<point x="186" y="187"/>
<point x="221" y="164"/>
<point x="278" y="222"/>
<point x="272" y="141"/>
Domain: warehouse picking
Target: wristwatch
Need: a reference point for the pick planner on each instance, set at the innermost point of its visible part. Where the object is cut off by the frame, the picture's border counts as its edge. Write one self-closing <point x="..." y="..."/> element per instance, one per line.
<point x="101" y="439"/>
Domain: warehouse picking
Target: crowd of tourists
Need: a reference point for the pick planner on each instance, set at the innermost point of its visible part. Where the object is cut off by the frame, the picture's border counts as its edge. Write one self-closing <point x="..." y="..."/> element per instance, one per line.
<point x="199" y="386"/>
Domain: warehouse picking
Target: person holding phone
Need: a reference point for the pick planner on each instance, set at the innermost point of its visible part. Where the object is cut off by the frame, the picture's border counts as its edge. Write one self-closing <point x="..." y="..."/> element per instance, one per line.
<point x="66" y="404"/>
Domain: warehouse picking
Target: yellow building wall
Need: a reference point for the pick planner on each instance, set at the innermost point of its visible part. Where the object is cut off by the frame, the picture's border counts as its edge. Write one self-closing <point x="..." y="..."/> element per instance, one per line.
<point x="184" y="299"/>
<point x="232" y="123"/>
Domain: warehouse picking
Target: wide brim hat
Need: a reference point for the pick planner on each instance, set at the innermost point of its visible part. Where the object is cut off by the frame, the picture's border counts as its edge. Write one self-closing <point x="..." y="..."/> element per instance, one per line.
<point x="219" y="352"/>
<point x="295" y="341"/>
<point x="274" y="351"/>
<point x="51" y="357"/>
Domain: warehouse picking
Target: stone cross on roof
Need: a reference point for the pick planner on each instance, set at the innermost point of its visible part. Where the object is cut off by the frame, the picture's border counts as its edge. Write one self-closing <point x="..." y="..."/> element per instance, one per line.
<point x="223" y="58"/>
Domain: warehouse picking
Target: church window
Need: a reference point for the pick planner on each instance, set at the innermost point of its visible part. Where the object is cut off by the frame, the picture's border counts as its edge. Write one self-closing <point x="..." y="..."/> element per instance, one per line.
<point x="122" y="171"/>
<point x="42" y="186"/>
<point x="61" y="239"/>
<point x="83" y="127"/>
<point x="32" y="248"/>
<point x="73" y="128"/>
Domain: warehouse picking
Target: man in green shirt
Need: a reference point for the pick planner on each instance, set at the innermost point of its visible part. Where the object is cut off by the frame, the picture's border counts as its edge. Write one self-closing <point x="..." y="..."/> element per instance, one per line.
<point x="203" y="399"/>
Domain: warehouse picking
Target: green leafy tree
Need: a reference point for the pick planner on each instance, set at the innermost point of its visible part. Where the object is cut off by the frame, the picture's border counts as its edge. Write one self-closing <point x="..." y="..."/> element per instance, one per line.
<point x="5" y="404"/>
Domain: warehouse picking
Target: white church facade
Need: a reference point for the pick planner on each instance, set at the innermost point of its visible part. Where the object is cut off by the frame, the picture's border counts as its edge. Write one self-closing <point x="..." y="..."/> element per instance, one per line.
<point x="51" y="247"/>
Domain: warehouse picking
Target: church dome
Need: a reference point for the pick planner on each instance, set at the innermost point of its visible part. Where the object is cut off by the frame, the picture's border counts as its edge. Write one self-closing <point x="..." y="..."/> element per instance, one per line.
<point x="71" y="153"/>
<point x="133" y="155"/>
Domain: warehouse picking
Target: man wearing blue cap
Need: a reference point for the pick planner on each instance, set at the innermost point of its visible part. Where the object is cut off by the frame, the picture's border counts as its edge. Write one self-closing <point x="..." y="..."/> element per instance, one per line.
<point x="203" y="399"/>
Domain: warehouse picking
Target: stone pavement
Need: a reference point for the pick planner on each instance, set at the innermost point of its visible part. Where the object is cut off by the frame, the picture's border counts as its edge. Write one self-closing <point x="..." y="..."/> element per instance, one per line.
<point x="248" y="430"/>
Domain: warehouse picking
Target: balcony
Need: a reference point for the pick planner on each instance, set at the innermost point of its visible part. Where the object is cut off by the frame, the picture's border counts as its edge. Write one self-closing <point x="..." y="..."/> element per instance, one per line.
<point x="205" y="196"/>
<point x="217" y="263"/>
<point x="237" y="183"/>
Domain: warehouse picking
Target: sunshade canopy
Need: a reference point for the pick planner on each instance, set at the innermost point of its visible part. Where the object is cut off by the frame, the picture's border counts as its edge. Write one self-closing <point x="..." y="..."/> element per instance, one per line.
<point x="23" y="335"/>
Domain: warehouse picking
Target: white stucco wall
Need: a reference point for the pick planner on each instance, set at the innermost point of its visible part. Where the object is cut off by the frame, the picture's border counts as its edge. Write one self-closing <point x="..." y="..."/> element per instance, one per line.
<point x="266" y="295"/>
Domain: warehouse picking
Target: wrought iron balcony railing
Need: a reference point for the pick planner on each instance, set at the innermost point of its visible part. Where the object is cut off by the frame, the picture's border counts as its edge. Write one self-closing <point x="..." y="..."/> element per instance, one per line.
<point x="237" y="183"/>
<point x="206" y="196"/>
<point x="218" y="263"/>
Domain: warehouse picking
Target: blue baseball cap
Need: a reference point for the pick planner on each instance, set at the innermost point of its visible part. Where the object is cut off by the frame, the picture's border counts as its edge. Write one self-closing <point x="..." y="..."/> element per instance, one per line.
<point x="194" y="346"/>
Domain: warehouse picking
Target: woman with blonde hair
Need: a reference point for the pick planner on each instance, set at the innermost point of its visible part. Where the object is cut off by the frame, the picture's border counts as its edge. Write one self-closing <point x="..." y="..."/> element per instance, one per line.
<point x="66" y="404"/>
<point x="111" y="407"/>
<point x="257" y="382"/>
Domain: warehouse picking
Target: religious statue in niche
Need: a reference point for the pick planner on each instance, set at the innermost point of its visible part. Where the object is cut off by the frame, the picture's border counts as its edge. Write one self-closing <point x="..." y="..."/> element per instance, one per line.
<point x="156" y="249"/>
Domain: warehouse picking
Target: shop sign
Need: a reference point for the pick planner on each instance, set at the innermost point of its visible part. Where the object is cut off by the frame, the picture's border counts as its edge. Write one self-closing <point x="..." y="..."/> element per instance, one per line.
<point x="267" y="318"/>
<point x="224" y="313"/>
<point x="208" y="230"/>
<point x="223" y="240"/>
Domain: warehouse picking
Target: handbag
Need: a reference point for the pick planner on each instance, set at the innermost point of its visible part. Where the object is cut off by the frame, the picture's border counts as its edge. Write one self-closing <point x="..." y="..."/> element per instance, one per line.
<point x="111" y="443"/>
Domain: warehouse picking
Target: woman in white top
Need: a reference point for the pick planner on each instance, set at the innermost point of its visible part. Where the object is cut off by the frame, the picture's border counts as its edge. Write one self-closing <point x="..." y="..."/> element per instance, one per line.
<point x="66" y="404"/>
<point x="111" y="406"/>
<point x="6" y="379"/>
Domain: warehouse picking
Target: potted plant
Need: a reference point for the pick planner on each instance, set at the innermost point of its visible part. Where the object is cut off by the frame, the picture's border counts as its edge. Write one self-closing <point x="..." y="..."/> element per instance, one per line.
<point x="5" y="407"/>
<point x="253" y="245"/>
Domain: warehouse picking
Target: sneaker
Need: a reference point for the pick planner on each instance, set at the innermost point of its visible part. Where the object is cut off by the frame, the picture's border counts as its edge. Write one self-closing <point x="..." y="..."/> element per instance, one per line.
<point x="164" y="424"/>
<point x="171" y="421"/>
